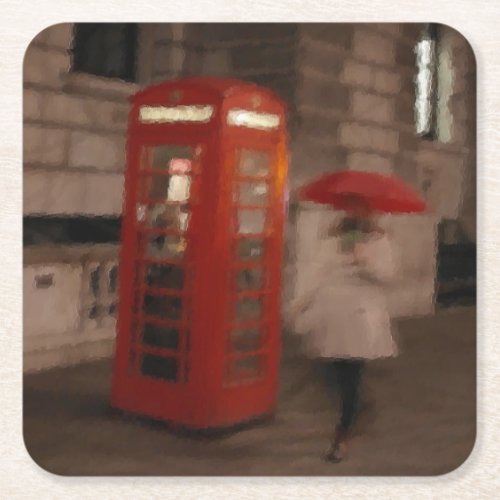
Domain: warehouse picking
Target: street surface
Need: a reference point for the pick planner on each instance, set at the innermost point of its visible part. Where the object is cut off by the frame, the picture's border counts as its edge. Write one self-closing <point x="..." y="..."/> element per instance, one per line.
<point x="422" y="422"/>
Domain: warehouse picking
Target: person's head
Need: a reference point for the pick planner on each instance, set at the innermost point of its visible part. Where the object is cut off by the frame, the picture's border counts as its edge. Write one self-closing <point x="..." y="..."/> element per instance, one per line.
<point x="358" y="216"/>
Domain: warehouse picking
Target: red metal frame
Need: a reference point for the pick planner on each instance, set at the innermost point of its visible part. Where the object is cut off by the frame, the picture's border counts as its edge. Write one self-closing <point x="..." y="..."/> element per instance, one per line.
<point x="206" y="393"/>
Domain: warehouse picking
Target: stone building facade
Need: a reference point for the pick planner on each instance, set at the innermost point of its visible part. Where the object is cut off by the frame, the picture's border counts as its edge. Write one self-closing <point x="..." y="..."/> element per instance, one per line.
<point x="350" y="89"/>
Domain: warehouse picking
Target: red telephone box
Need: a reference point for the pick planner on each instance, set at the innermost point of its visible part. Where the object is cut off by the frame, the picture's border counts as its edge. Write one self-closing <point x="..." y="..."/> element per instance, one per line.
<point x="200" y="269"/>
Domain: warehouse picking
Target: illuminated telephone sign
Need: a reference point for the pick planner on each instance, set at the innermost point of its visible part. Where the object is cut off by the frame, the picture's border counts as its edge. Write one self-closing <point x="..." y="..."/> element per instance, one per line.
<point x="174" y="114"/>
<point x="253" y="119"/>
<point x="199" y="319"/>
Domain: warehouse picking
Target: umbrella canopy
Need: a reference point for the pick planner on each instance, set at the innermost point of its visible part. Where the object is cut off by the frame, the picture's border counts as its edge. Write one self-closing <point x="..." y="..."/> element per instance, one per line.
<point x="380" y="193"/>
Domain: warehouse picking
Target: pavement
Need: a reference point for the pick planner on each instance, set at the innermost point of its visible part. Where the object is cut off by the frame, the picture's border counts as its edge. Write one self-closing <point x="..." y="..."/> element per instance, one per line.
<point x="423" y="421"/>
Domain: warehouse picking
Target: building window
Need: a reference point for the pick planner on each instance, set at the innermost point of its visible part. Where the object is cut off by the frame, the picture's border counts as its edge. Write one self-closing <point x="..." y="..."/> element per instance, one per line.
<point x="434" y="85"/>
<point x="101" y="292"/>
<point x="105" y="49"/>
<point x="426" y="82"/>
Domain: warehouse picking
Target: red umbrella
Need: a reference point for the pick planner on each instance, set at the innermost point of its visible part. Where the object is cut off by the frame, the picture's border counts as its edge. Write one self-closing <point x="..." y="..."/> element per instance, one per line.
<point x="381" y="193"/>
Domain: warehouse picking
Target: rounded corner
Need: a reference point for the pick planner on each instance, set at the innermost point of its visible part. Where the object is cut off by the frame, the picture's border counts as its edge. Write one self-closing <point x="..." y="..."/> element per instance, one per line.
<point x="462" y="460"/>
<point x="454" y="30"/>
<point x="36" y="460"/>
<point x="39" y="37"/>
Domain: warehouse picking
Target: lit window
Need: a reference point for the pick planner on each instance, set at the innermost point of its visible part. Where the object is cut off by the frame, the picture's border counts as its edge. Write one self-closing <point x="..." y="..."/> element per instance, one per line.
<point x="426" y="83"/>
<point x="434" y="85"/>
<point x="445" y="84"/>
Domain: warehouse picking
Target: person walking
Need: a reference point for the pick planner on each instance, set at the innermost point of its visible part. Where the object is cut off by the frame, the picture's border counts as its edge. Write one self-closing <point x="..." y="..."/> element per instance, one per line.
<point x="345" y="318"/>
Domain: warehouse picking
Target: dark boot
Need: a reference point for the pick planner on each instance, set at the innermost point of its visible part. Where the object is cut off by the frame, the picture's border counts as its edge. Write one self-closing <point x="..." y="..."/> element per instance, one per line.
<point x="338" y="448"/>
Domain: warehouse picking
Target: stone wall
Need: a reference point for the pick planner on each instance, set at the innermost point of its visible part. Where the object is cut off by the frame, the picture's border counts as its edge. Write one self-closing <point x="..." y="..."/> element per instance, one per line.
<point x="168" y="49"/>
<point x="74" y="132"/>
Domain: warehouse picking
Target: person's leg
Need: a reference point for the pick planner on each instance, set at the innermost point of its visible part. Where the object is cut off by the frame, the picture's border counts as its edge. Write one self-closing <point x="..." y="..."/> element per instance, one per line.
<point x="348" y="377"/>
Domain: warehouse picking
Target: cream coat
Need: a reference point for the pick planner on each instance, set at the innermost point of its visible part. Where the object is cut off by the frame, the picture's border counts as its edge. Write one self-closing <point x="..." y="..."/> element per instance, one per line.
<point x="345" y="315"/>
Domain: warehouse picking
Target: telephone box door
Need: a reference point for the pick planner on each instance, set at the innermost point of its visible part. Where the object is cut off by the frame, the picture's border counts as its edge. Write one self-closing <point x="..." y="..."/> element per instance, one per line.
<point x="162" y="266"/>
<point x="251" y="318"/>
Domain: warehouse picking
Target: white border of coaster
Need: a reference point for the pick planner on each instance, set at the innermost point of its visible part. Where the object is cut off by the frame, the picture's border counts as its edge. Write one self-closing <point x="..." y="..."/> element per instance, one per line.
<point x="21" y="21"/>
